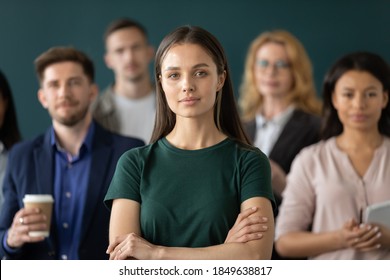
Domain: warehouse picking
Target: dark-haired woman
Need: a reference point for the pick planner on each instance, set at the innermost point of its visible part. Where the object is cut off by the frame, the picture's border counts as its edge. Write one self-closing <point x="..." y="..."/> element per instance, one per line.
<point x="332" y="183"/>
<point x="9" y="130"/>
<point x="178" y="197"/>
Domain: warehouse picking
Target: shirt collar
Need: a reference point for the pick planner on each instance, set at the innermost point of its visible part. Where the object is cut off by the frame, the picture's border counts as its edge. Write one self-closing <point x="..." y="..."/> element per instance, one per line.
<point x="87" y="143"/>
<point x="279" y="120"/>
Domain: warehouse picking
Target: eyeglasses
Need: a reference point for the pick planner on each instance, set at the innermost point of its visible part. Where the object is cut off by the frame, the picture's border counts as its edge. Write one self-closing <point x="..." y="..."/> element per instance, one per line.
<point x="278" y="65"/>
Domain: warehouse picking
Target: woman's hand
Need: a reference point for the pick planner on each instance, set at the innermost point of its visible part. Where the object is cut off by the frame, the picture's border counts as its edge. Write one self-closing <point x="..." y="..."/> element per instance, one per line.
<point x="374" y="237"/>
<point x="247" y="227"/>
<point x="132" y="246"/>
<point x="363" y="237"/>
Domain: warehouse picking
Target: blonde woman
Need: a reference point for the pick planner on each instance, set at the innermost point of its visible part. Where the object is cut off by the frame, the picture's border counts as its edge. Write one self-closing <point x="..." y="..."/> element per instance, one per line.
<point x="278" y="101"/>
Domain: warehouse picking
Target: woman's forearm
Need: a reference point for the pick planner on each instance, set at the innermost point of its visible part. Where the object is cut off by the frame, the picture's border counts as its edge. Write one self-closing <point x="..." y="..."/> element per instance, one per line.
<point x="306" y="244"/>
<point x="233" y="251"/>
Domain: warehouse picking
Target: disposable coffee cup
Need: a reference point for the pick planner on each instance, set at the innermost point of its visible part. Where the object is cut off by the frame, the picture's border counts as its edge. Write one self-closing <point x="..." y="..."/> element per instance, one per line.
<point x="45" y="203"/>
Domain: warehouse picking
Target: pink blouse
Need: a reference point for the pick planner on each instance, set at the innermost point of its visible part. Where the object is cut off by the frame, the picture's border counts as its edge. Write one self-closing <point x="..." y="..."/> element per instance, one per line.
<point x="324" y="190"/>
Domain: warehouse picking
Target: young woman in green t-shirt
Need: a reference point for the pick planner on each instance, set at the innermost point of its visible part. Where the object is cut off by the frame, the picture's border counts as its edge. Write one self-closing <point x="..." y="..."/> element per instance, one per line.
<point x="179" y="197"/>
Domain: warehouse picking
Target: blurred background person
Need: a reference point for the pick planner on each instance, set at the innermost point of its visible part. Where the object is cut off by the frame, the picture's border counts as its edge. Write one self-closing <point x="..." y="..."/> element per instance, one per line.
<point x="73" y="161"/>
<point x="331" y="182"/>
<point x="127" y="106"/>
<point x="278" y="101"/>
<point x="9" y="129"/>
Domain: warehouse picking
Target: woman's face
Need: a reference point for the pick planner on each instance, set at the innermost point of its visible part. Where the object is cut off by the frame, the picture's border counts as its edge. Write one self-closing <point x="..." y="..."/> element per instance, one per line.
<point x="359" y="99"/>
<point x="272" y="71"/>
<point x="190" y="81"/>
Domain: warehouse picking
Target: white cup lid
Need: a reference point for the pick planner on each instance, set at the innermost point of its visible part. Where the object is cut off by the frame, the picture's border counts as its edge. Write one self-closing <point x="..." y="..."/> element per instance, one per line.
<point x="38" y="198"/>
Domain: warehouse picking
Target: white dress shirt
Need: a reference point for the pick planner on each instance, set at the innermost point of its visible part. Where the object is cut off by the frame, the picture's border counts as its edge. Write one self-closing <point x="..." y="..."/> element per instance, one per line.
<point x="268" y="131"/>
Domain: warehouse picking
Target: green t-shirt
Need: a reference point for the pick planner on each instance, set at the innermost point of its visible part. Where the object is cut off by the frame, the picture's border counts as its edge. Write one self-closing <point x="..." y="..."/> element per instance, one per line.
<point x="190" y="198"/>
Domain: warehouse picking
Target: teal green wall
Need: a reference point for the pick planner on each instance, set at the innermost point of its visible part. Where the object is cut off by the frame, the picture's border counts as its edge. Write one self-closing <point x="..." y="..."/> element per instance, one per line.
<point x="328" y="29"/>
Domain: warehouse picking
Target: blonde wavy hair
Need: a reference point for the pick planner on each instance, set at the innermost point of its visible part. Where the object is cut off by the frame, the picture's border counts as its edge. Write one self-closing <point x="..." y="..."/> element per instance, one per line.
<point x="302" y="94"/>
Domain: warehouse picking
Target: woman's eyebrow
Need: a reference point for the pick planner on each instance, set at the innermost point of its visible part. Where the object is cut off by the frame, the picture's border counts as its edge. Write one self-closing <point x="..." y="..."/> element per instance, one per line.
<point x="199" y="65"/>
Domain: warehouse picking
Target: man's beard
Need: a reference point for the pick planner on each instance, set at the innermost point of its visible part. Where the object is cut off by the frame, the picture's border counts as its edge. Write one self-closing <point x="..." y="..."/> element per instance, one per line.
<point x="136" y="78"/>
<point x="73" y="119"/>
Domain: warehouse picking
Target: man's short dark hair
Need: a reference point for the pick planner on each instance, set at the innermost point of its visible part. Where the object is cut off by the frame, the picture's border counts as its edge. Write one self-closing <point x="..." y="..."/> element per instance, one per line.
<point x="64" y="54"/>
<point x="124" y="23"/>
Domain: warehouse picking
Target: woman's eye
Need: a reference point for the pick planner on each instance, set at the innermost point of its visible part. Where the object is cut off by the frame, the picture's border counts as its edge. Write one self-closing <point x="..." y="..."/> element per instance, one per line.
<point x="371" y="94"/>
<point x="173" y="76"/>
<point x="200" y="74"/>
<point x="281" y="64"/>
<point x="262" y="63"/>
<point x="347" y="94"/>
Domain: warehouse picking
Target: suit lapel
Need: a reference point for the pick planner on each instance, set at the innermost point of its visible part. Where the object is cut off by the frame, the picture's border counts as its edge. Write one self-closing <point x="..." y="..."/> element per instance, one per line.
<point x="250" y="129"/>
<point x="43" y="157"/>
<point x="287" y="136"/>
<point x="44" y="172"/>
<point x="101" y="154"/>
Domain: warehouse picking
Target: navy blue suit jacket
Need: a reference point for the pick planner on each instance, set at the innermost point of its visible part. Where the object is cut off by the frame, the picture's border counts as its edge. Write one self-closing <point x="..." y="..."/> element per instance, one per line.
<point x="30" y="170"/>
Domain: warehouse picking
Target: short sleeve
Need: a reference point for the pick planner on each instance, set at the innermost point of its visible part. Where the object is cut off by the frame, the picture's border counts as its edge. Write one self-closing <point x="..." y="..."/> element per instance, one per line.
<point x="256" y="176"/>
<point x="126" y="180"/>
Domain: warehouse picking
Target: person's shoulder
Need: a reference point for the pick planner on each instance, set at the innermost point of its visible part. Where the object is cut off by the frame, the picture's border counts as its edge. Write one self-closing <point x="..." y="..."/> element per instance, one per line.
<point x="384" y="148"/>
<point x="24" y="147"/>
<point x="248" y="150"/>
<point x="107" y="92"/>
<point x="133" y="141"/>
<point x="306" y="117"/>
<point x="103" y="102"/>
<point x="142" y="149"/>
<point x="138" y="154"/>
<point x="116" y="139"/>
<point x="386" y="141"/>
<point x="316" y="150"/>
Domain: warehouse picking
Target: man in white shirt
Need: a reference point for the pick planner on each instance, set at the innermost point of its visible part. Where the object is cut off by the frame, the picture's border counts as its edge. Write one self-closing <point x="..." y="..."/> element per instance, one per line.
<point x="127" y="106"/>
